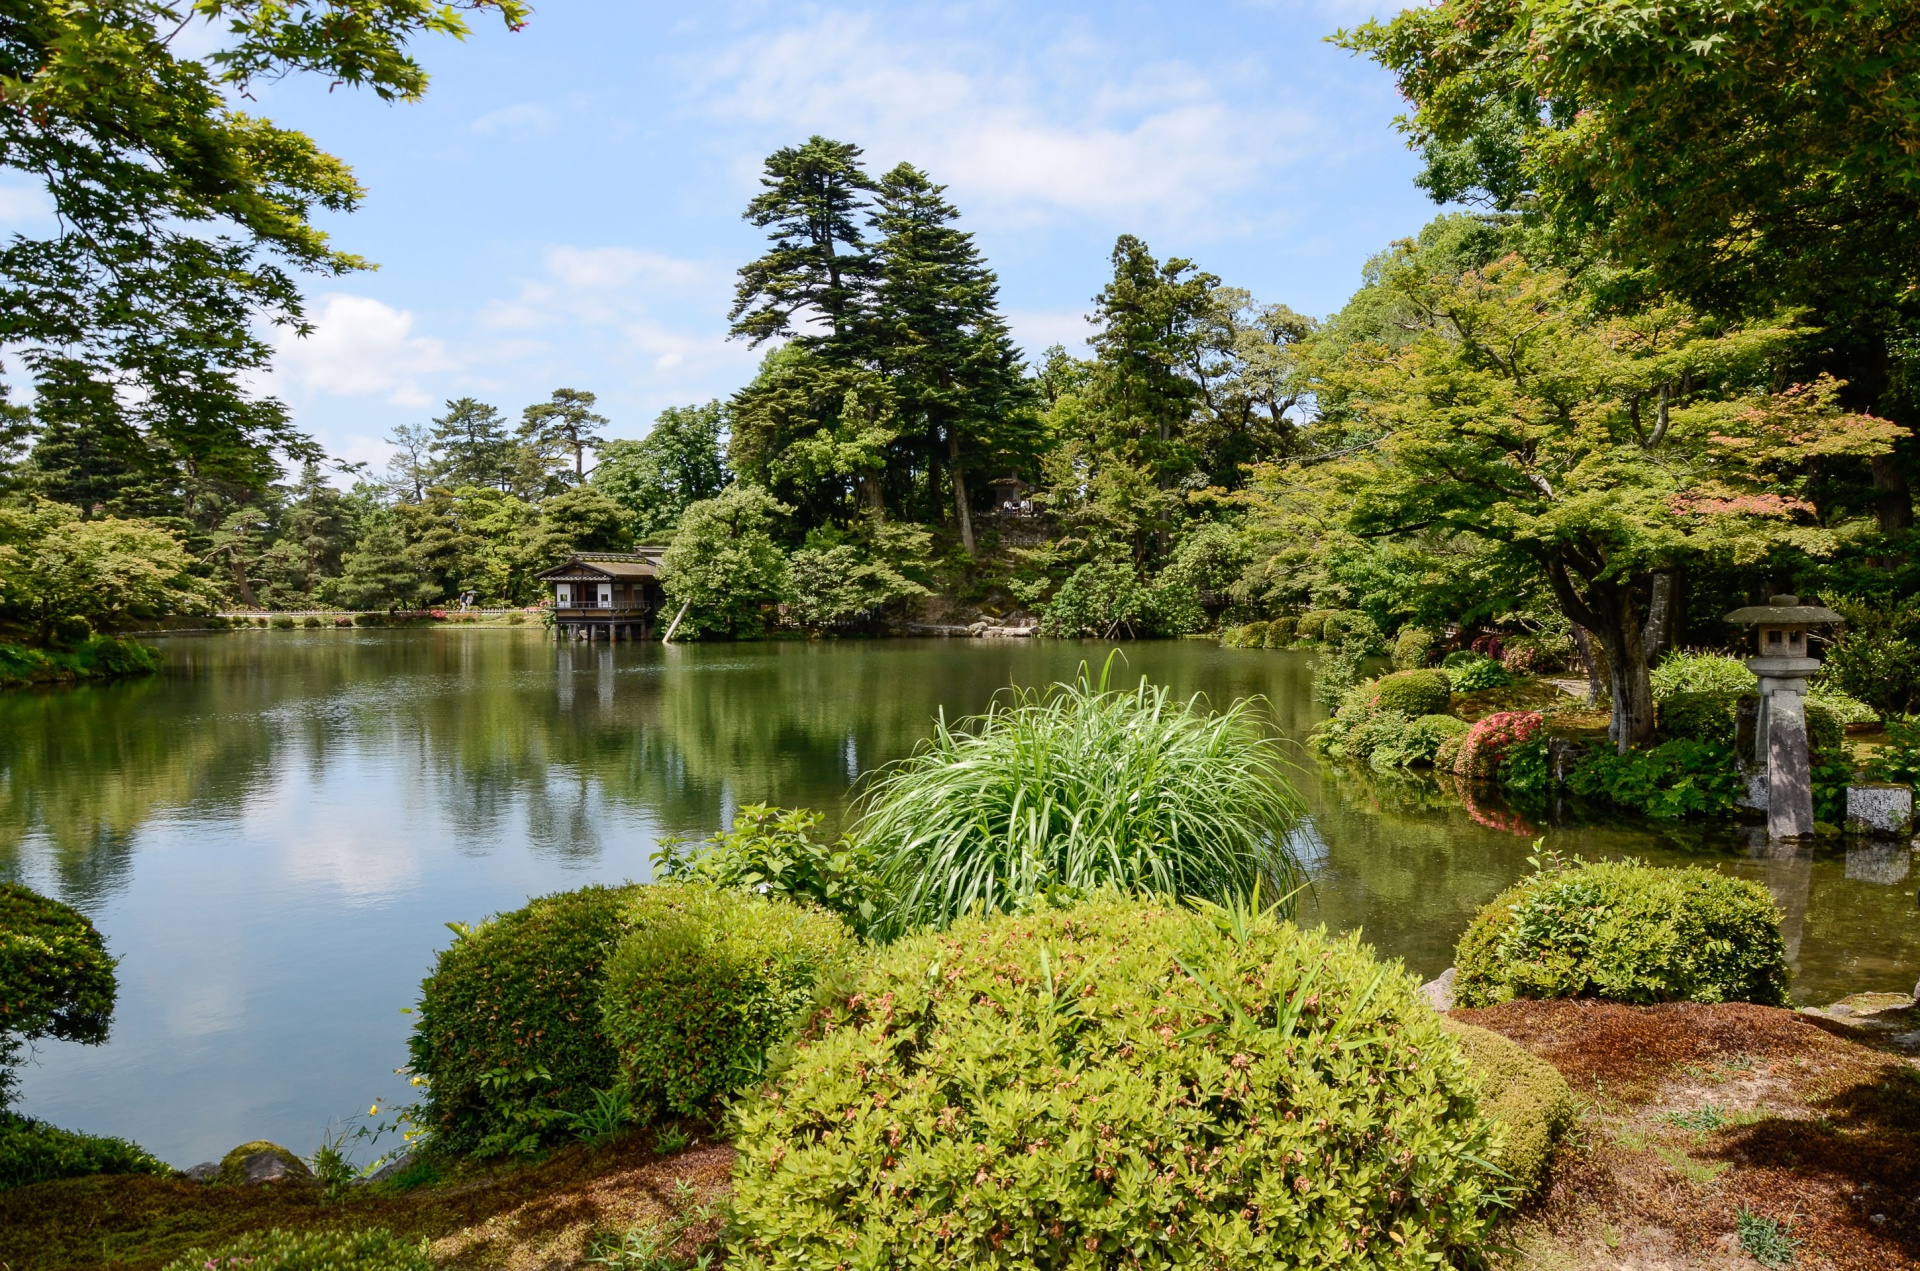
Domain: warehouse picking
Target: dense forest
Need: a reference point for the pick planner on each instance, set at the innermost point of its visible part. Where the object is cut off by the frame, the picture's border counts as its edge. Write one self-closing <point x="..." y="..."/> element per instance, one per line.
<point x="1599" y="404"/>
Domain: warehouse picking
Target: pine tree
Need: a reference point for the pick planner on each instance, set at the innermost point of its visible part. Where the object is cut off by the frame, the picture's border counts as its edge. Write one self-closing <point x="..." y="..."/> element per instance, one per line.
<point x="819" y="268"/>
<point x="936" y="331"/>
<point x="89" y="455"/>
<point x="564" y="424"/>
<point x="471" y="446"/>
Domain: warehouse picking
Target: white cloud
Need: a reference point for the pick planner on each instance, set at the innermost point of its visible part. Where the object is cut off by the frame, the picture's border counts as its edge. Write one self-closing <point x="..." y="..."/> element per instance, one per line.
<point x="1080" y="132"/>
<point x="526" y="117"/>
<point x="361" y="347"/>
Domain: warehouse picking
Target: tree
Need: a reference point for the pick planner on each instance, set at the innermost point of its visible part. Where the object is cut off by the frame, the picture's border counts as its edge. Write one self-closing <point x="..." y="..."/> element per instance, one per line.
<point x="310" y="539"/>
<point x="1749" y="157"/>
<point x="839" y="578"/>
<point x="1593" y="449"/>
<point x="678" y="462"/>
<point x="57" y="570"/>
<point x="723" y="566"/>
<point x="182" y="219"/>
<point x="470" y="446"/>
<point x="816" y="433"/>
<point x="56" y="979"/>
<point x="380" y="573"/>
<point x="810" y="204"/>
<point x="88" y="454"/>
<point x="564" y="423"/>
<point x="937" y="334"/>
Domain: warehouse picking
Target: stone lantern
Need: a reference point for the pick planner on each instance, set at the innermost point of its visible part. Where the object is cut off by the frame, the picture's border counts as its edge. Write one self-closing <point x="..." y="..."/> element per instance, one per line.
<point x="1780" y="738"/>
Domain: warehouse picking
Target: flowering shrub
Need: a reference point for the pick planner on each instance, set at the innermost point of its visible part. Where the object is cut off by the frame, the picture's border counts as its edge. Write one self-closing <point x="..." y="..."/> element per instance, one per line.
<point x="375" y="1250"/>
<point x="1124" y="1083"/>
<point x="1488" y="742"/>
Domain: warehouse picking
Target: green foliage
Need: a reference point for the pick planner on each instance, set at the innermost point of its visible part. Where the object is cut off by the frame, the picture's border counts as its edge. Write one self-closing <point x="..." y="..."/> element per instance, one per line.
<point x="1899" y="759"/>
<point x="677" y="463"/>
<point x="839" y="578"/>
<point x="1279" y="633"/>
<point x="56" y="980"/>
<point x="1847" y="709"/>
<point x="1251" y="636"/>
<point x="1103" y="599"/>
<point x="1679" y="778"/>
<point x="94" y="657"/>
<point x="1471" y="672"/>
<point x="723" y="564"/>
<point x="1081" y="787"/>
<point x="35" y="1152"/>
<point x="706" y="981"/>
<point x="57" y="570"/>
<point x="373" y="1249"/>
<point x="656" y="1246"/>
<point x="1119" y="1081"/>
<point x="1313" y="624"/>
<point x="773" y="851"/>
<point x="1696" y="715"/>
<point x="1769" y="1241"/>
<point x="1625" y="932"/>
<point x="1412" y="648"/>
<point x="1712" y="673"/>
<point x="1877" y="659"/>
<point x="507" y="1033"/>
<point x="1525" y="1095"/>
<point x="1412" y="693"/>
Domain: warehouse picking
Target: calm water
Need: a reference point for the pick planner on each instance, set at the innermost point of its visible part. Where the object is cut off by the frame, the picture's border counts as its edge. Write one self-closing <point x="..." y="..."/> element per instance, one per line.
<point x="272" y="834"/>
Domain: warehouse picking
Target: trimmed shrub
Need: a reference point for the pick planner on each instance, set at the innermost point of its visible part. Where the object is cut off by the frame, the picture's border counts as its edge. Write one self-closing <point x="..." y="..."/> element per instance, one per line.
<point x="1427" y="734"/>
<point x="1313" y="624"/>
<point x="1251" y="636"/>
<point x="56" y="979"/>
<point x="1625" y="932"/>
<point x="1118" y="1084"/>
<point x="1446" y="756"/>
<point x="1412" y="693"/>
<point x="1524" y="1094"/>
<point x="1848" y="710"/>
<point x="311" y="623"/>
<point x="706" y="981"/>
<point x="1488" y="741"/>
<point x="1695" y="717"/>
<point x="1826" y="735"/>
<point x="376" y="1249"/>
<point x="34" y="1152"/>
<point x="772" y="851"/>
<point x="283" y="624"/>
<point x="1471" y="672"/>
<point x="507" y="1033"/>
<point x="1683" y="672"/>
<point x="1412" y="648"/>
<point x="1279" y="634"/>
<point x="1080" y="787"/>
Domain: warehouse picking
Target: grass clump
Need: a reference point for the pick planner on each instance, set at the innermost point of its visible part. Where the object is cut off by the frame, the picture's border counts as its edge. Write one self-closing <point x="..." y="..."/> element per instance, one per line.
<point x="34" y="1152"/>
<point x="1124" y="1082"/>
<point x="374" y="1250"/>
<point x="507" y="1034"/>
<point x="1711" y="673"/>
<point x="1768" y="1241"/>
<point x="706" y="981"/>
<point x="1081" y="788"/>
<point x="1624" y="932"/>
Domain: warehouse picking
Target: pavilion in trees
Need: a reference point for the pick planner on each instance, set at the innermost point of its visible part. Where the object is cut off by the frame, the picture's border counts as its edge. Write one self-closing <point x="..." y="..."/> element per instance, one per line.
<point x="607" y="595"/>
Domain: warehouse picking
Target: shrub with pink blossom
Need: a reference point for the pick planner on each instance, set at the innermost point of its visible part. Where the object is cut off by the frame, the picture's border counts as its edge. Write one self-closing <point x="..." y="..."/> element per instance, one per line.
<point x="1488" y="742"/>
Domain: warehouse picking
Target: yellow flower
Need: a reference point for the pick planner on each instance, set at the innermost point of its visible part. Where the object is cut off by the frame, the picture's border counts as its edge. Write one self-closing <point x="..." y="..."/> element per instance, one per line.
<point x="374" y="1111"/>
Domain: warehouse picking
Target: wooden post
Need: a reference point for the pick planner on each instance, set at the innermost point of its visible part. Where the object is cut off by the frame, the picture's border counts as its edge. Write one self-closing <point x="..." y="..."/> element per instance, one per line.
<point x="675" y="624"/>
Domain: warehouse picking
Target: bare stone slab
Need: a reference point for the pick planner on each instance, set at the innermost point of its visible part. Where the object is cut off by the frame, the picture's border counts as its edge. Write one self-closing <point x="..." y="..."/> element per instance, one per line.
<point x="1789" y="767"/>
<point x="1881" y="809"/>
<point x="1439" y="993"/>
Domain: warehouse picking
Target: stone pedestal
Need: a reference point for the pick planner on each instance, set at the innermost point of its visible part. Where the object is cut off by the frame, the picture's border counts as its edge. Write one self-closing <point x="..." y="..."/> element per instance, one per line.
<point x="1782" y="735"/>
<point x="1880" y="809"/>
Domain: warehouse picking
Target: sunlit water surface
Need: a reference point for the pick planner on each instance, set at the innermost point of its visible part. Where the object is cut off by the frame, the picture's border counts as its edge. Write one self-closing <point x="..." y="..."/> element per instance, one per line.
<point x="273" y="833"/>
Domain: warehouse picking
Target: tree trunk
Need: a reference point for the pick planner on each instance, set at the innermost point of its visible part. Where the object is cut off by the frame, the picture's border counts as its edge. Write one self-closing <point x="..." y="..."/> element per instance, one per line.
<point x="960" y="508"/>
<point x="1584" y="643"/>
<point x="871" y="496"/>
<point x="1618" y="626"/>
<point x="240" y="580"/>
<point x="1892" y="500"/>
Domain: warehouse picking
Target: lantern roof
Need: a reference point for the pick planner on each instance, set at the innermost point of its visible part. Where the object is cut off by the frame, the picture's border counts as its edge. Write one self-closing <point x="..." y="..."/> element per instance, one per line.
<point x="1783" y="611"/>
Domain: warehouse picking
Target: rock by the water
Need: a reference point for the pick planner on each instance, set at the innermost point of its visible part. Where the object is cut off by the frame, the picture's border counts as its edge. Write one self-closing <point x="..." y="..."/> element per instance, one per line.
<point x="204" y="1172"/>
<point x="1439" y="993"/>
<point x="262" y="1162"/>
<point x="390" y="1169"/>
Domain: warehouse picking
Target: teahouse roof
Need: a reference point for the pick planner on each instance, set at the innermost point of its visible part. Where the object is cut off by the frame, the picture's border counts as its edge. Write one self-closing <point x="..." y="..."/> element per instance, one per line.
<point x="1785" y="611"/>
<point x="594" y="566"/>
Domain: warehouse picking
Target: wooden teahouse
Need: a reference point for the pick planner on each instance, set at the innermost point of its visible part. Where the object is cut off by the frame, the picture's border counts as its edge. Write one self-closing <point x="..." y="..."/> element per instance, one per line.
<point x="607" y="595"/>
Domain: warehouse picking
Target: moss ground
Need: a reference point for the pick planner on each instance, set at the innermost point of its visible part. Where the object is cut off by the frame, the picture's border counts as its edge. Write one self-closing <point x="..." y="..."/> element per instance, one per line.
<point x="1689" y="1114"/>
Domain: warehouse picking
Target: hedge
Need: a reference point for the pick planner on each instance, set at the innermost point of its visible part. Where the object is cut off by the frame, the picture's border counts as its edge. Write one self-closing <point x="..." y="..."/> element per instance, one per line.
<point x="1122" y="1083"/>
<point x="1625" y="932"/>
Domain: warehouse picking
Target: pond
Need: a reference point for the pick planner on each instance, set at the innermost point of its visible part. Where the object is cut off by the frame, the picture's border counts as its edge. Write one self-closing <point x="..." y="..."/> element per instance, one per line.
<point x="272" y="833"/>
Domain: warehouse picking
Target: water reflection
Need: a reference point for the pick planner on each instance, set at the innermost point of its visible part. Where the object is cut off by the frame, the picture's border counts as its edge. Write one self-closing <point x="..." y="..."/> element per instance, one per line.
<point x="272" y="834"/>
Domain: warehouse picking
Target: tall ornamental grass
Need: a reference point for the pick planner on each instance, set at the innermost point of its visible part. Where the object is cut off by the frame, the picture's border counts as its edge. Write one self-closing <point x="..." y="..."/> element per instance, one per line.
<point x="1082" y="788"/>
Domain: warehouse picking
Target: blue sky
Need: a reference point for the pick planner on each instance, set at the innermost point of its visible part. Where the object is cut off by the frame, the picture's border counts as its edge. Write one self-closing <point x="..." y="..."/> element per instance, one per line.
<point x="564" y="206"/>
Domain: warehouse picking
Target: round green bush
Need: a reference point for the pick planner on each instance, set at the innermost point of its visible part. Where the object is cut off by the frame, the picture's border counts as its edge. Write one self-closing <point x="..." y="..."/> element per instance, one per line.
<point x="1526" y="1095"/>
<point x="310" y="622"/>
<point x="283" y="624"/>
<point x="507" y="1032"/>
<point x="1826" y="735"/>
<point x="706" y="981"/>
<point x="1412" y="648"/>
<point x="373" y="1250"/>
<point x="1695" y="717"/>
<point x="1120" y="1084"/>
<point x="1279" y="633"/>
<point x="1625" y="932"/>
<point x="1412" y="693"/>
<point x="56" y="979"/>
<point x="1313" y="624"/>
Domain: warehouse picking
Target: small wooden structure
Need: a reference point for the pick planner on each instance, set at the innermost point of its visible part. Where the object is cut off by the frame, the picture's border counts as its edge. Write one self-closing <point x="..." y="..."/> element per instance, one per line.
<point x="607" y="595"/>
